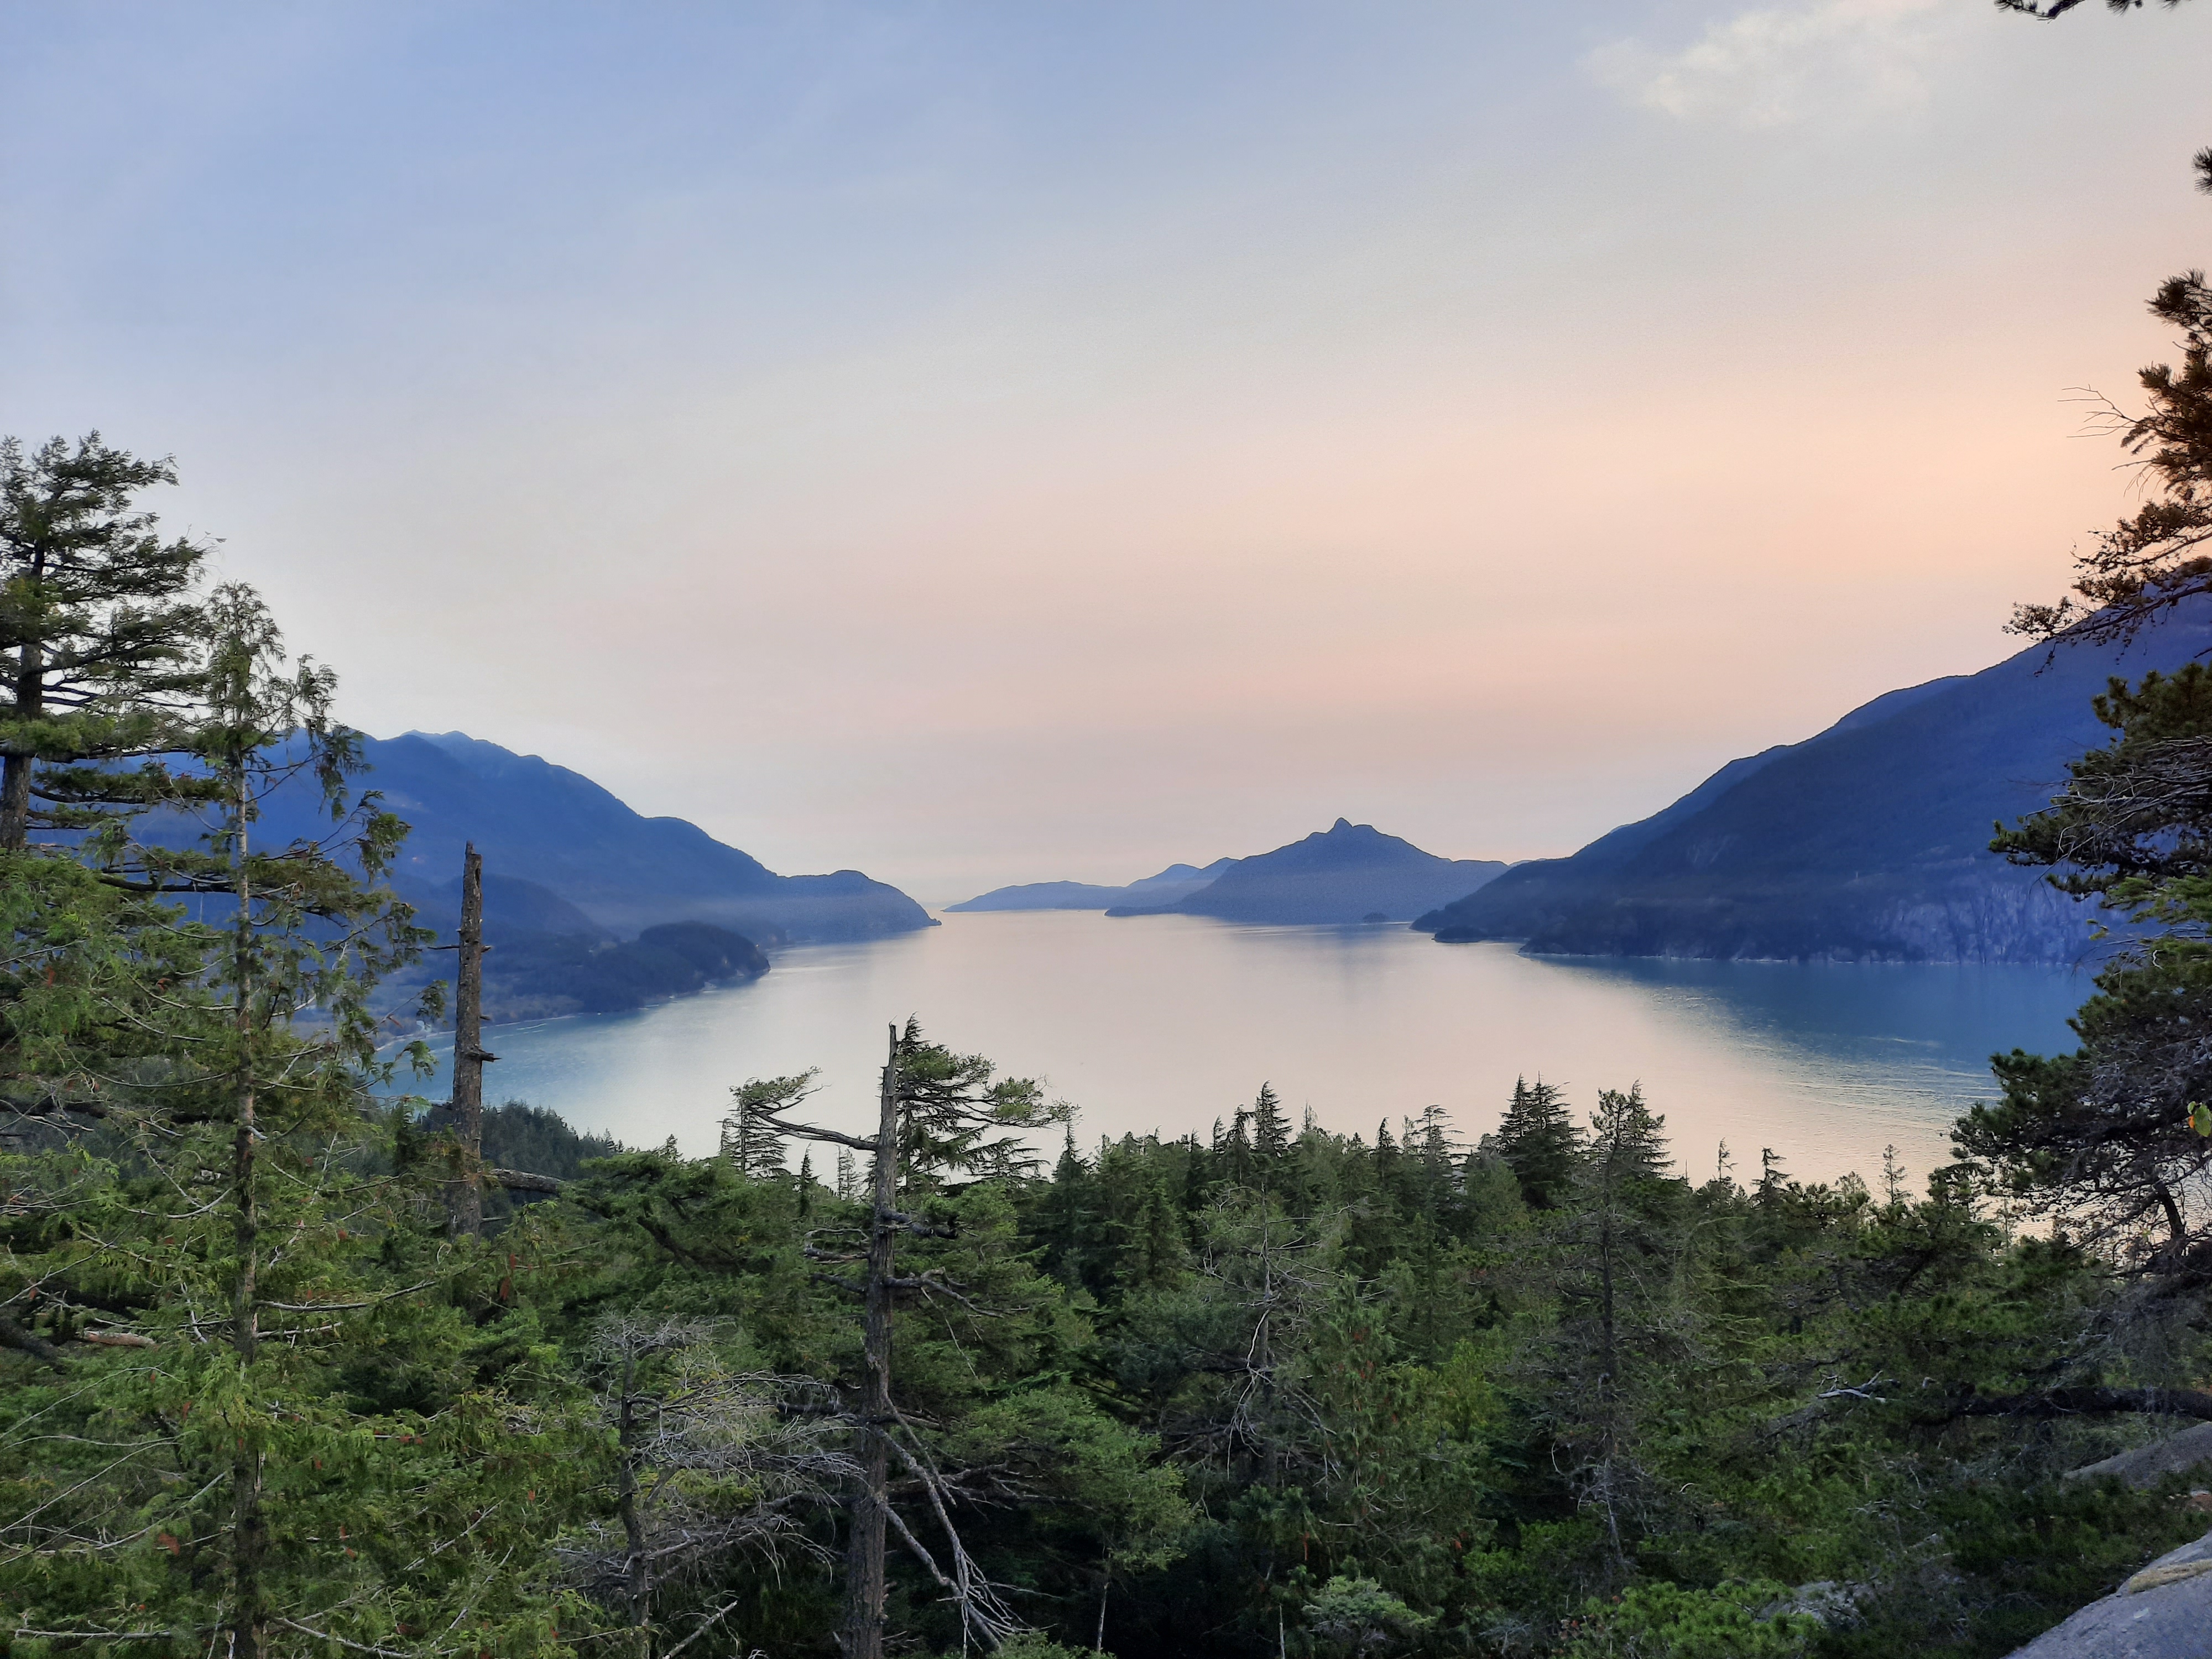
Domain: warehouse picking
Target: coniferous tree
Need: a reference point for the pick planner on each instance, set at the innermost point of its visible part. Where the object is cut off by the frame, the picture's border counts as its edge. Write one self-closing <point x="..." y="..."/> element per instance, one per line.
<point x="940" y="1113"/>
<point x="2047" y="10"/>
<point x="1539" y="1139"/>
<point x="1625" y="1206"/>
<point x="713" y="1465"/>
<point x="2156" y="560"/>
<point x="1154" y="1255"/>
<point x="1271" y="1128"/>
<point x="2112" y="1138"/>
<point x="239" y="1231"/>
<point x="750" y="1143"/>
<point x="99" y="639"/>
<point x="1068" y="1225"/>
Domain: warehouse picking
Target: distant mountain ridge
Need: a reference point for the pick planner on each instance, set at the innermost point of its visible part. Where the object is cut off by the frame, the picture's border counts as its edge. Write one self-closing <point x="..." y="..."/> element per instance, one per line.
<point x="546" y="957"/>
<point x="1867" y="842"/>
<point x="556" y="830"/>
<point x="1347" y="872"/>
<point x="561" y="830"/>
<point x="1173" y="882"/>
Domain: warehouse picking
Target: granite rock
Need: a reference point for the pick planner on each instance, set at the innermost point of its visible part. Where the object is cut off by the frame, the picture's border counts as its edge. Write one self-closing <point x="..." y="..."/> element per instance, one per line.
<point x="2164" y="1611"/>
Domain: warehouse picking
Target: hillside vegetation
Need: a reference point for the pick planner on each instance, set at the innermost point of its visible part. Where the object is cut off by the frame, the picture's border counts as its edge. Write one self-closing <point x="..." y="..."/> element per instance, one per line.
<point x="1866" y="843"/>
<point x="556" y="829"/>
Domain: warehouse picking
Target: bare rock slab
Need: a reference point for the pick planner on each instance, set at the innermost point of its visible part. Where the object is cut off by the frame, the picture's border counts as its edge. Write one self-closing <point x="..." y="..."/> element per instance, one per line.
<point x="2164" y="1611"/>
<point x="2144" y="1467"/>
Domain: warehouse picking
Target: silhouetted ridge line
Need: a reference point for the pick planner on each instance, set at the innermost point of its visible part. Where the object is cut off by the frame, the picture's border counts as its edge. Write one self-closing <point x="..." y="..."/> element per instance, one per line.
<point x="1867" y="842"/>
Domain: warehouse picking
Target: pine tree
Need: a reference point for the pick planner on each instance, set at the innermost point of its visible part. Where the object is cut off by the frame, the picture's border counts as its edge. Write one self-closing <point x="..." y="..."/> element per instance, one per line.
<point x="1539" y="1139"/>
<point x="751" y="1144"/>
<point x="1625" y="1209"/>
<point x="939" y="1114"/>
<point x="241" y="1232"/>
<point x="99" y="637"/>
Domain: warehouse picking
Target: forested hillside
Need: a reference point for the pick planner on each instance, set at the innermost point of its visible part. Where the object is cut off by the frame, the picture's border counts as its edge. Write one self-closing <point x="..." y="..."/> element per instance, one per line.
<point x="1216" y="1395"/>
<point x="547" y="958"/>
<point x="1867" y="842"/>
<point x="1176" y="881"/>
<point x="553" y="827"/>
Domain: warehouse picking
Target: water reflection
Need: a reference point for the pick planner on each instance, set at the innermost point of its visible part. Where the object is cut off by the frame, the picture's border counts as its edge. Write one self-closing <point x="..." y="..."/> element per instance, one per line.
<point x="1168" y="1023"/>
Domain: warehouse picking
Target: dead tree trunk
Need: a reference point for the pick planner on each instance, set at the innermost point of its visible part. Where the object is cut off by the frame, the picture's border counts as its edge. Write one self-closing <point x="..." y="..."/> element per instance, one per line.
<point x="465" y="1197"/>
<point x="864" y="1567"/>
<point x="637" y="1567"/>
<point x="248" y="1525"/>
<point x="932" y="1091"/>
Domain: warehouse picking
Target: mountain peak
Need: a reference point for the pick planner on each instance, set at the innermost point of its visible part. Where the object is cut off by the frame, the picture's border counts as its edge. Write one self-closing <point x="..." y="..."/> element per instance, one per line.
<point x="1346" y="874"/>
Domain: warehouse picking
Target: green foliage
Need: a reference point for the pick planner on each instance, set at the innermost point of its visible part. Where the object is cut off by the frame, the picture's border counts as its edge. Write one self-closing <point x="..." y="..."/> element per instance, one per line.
<point x="1357" y="1617"/>
<point x="1538" y="1140"/>
<point x="1668" y="1621"/>
<point x="2106" y="1137"/>
<point x="1032" y="1645"/>
<point x="99" y="631"/>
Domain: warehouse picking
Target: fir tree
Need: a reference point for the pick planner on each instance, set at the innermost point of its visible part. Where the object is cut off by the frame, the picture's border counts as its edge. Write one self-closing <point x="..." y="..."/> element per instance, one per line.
<point x="1067" y="1227"/>
<point x="242" y="1234"/>
<point x="1625" y="1210"/>
<point x="1539" y="1139"/>
<point x="751" y="1144"/>
<point x="1271" y="1128"/>
<point x="99" y="639"/>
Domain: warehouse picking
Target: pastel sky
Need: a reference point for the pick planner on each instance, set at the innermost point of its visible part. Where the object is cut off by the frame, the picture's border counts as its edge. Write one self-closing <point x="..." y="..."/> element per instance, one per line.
<point x="991" y="442"/>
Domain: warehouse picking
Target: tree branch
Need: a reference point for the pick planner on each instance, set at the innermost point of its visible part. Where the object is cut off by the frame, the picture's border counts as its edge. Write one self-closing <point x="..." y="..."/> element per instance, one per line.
<point x="809" y="1132"/>
<point x="13" y="1335"/>
<point x="2088" y="1401"/>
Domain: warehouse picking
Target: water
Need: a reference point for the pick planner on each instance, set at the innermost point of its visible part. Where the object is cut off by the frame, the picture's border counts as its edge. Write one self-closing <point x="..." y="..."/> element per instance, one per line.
<point x="1168" y="1023"/>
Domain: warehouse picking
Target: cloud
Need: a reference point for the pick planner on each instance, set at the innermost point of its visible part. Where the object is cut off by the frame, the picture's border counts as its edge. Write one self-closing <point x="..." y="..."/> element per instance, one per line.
<point x="1776" y="65"/>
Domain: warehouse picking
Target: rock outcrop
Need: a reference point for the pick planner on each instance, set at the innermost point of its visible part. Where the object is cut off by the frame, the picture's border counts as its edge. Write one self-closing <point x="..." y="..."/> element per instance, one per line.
<point x="2164" y="1611"/>
<point x="2143" y="1467"/>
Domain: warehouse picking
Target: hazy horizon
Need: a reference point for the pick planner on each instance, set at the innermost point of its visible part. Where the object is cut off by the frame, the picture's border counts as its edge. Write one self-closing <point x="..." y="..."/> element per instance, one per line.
<point x="990" y="445"/>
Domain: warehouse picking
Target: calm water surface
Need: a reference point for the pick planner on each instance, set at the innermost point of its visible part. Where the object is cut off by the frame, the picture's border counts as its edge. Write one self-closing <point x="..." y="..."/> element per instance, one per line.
<point x="1167" y="1022"/>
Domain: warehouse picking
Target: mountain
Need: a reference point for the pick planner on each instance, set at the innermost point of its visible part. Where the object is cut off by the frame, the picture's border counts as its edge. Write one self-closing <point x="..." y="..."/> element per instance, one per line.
<point x="537" y="975"/>
<point x="1348" y="872"/>
<point x="573" y="841"/>
<point x="511" y="905"/>
<point x="1867" y="842"/>
<point x="547" y="957"/>
<point x="1176" y="881"/>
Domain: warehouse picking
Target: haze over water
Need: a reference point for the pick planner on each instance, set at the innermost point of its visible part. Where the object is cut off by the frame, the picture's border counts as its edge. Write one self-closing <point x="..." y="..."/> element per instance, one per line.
<point x="1167" y="1022"/>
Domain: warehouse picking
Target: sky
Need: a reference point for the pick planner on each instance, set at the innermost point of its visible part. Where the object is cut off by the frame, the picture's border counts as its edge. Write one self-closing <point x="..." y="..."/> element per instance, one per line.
<point x="995" y="442"/>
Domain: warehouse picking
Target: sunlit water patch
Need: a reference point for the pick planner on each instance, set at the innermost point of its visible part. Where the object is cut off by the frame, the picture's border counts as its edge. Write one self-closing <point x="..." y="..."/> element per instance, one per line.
<point x="1168" y="1023"/>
